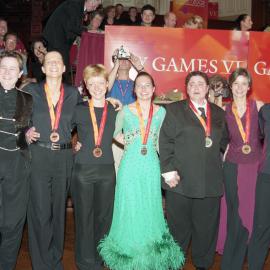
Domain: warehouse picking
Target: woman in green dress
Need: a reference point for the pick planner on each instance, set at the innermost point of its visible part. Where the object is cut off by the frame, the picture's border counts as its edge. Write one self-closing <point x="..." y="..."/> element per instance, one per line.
<point x="139" y="237"/>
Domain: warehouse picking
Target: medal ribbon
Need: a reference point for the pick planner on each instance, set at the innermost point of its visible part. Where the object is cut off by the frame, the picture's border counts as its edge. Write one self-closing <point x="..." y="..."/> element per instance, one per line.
<point x="206" y="125"/>
<point x="245" y="134"/>
<point x="55" y="117"/>
<point x="144" y="132"/>
<point x="98" y="132"/>
<point x="121" y="89"/>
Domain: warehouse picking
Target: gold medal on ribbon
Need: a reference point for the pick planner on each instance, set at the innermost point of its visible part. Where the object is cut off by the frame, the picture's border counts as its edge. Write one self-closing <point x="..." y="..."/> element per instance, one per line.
<point x="97" y="152"/>
<point x="144" y="150"/>
<point x="208" y="142"/>
<point x="98" y="132"/>
<point x="54" y="137"/>
<point x="207" y="125"/>
<point x="144" y="132"/>
<point x="55" y="117"/>
<point x="246" y="149"/>
<point x="245" y="134"/>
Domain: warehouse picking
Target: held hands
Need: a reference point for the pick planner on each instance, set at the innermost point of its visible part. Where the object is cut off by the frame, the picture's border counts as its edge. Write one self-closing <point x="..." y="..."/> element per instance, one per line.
<point x="31" y="135"/>
<point x="173" y="180"/>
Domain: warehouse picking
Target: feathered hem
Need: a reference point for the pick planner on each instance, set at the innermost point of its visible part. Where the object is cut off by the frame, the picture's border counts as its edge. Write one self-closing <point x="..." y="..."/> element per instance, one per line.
<point x="161" y="255"/>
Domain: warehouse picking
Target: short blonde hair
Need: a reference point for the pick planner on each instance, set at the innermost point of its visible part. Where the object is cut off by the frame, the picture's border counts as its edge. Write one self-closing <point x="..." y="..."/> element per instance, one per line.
<point x="95" y="71"/>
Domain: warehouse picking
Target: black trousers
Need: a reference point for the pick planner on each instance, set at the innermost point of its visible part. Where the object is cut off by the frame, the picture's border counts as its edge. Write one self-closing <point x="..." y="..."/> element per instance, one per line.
<point x="14" y="191"/>
<point x="260" y="238"/>
<point x="49" y="183"/>
<point x="195" y="219"/>
<point x="92" y="190"/>
<point x="236" y="244"/>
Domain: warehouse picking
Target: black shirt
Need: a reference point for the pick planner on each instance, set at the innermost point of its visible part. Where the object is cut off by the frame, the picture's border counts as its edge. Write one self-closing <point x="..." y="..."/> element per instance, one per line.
<point x="41" y="117"/>
<point x="264" y="121"/>
<point x="86" y="134"/>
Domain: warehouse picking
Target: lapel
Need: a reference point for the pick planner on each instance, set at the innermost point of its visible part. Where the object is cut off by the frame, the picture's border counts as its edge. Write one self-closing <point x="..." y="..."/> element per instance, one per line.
<point x="23" y="108"/>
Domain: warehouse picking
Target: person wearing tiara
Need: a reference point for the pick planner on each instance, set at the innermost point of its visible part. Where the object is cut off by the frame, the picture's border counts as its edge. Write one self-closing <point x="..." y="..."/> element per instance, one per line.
<point x="240" y="172"/>
<point x="93" y="180"/>
<point x="139" y="237"/>
<point x="120" y="84"/>
<point x="191" y="138"/>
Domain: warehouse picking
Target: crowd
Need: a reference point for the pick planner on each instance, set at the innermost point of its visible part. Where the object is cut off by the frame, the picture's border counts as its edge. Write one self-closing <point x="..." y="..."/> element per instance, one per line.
<point x="210" y="157"/>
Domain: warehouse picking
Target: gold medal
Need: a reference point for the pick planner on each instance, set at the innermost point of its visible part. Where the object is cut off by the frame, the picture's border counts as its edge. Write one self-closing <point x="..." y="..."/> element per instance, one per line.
<point x="144" y="150"/>
<point x="54" y="137"/>
<point x="246" y="149"/>
<point x="208" y="142"/>
<point x="97" y="152"/>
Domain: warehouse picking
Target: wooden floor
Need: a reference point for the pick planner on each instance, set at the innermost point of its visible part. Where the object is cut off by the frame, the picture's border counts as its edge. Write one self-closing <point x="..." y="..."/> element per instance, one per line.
<point x="69" y="264"/>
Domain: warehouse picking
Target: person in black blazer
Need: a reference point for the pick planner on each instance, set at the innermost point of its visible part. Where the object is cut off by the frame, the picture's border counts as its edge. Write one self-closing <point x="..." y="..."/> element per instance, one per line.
<point x="15" y="113"/>
<point x="65" y="24"/>
<point x="191" y="137"/>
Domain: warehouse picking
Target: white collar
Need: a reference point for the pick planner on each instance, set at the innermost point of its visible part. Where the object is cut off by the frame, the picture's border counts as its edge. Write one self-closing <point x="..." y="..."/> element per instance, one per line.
<point x="197" y="106"/>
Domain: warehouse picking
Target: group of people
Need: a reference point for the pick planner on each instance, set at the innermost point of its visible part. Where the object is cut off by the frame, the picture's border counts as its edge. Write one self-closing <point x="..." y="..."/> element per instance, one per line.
<point x="119" y="219"/>
<point x="194" y="149"/>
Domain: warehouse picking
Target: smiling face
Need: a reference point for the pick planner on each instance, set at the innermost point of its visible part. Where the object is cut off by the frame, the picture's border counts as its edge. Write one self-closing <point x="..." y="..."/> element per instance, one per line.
<point x="53" y="66"/>
<point x="144" y="88"/>
<point x="197" y="89"/>
<point x="9" y="72"/>
<point x="97" y="87"/>
<point x="148" y="17"/>
<point x="240" y="87"/>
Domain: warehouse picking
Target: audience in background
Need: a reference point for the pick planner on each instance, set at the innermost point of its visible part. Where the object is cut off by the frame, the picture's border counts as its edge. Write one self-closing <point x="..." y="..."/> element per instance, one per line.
<point x="132" y="18"/>
<point x="109" y="18"/>
<point x="119" y="10"/>
<point x="96" y="18"/>
<point x="194" y="22"/>
<point x="170" y="20"/>
<point x="244" y="22"/>
<point x="148" y="14"/>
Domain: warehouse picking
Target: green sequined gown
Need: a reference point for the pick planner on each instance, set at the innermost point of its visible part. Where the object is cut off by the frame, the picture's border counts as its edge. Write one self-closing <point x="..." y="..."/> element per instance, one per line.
<point x="139" y="238"/>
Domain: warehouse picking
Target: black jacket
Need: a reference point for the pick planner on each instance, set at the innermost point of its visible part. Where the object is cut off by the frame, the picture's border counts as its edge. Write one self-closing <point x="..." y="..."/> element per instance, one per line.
<point x="182" y="148"/>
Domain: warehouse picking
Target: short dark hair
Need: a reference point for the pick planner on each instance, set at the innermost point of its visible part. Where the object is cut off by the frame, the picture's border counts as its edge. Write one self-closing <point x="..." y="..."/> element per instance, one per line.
<point x="240" y="72"/>
<point x="130" y="8"/>
<point x="196" y="73"/>
<point x="15" y="55"/>
<point x="148" y="7"/>
<point x="2" y="19"/>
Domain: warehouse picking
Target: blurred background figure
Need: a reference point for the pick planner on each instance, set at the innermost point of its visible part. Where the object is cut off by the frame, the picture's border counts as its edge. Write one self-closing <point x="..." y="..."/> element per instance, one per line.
<point x="244" y="22"/>
<point x="195" y="22"/>
<point x="119" y="10"/>
<point x="132" y="18"/>
<point x="148" y="14"/>
<point x="109" y="18"/>
<point x="96" y="18"/>
<point x="170" y="20"/>
<point x="38" y="50"/>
